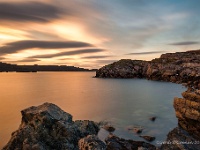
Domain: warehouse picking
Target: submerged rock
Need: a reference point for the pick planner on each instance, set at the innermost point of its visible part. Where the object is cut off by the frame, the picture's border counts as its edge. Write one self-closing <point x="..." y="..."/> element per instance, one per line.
<point x="135" y="129"/>
<point x="152" y="118"/>
<point x="148" y="138"/>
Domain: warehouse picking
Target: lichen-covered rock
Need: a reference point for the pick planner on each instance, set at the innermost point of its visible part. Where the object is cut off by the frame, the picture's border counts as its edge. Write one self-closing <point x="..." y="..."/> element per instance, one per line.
<point x="179" y="139"/>
<point x="91" y="142"/>
<point x="48" y="127"/>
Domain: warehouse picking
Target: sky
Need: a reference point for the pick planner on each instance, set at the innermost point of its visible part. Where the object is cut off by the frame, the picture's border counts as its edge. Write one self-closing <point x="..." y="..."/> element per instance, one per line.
<point x="93" y="33"/>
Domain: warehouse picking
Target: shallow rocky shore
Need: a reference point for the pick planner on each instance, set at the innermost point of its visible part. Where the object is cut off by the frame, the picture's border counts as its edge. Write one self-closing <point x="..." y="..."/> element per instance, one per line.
<point x="180" y="67"/>
<point x="47" y="127"/>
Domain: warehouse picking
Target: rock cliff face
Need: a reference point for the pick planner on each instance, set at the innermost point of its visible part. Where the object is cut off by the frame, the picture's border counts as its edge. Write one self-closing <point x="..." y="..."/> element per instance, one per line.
<point x="47" y="127"/>
<point x="180" y="67"/>
<point x="188" y="112"/>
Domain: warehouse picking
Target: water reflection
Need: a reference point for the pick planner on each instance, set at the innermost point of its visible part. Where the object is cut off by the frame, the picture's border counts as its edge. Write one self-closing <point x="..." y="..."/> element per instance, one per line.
<point x="124" y="102"/>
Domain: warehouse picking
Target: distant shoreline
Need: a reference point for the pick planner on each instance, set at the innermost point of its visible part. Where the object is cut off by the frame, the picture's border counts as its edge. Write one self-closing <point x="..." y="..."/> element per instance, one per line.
<point x="5" y="67"/>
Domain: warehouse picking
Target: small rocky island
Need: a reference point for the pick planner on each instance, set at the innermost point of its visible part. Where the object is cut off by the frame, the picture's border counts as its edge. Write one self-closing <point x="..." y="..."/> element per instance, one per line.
<point x="47" y="127"/>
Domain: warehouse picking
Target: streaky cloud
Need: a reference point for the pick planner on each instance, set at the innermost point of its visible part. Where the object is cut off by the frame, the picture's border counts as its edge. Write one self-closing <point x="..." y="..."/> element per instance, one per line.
<point x="28" y="11"/>
<point x="69" y="53"/>
<point x="24" y="60"/>
<point x="28" y="60"/>
<point x="185" y="43"/>
<point x="106" y="61"/>
<point x="14" y="47"/>
<point x="145" y="53"/>
<point x="95" y="57"/>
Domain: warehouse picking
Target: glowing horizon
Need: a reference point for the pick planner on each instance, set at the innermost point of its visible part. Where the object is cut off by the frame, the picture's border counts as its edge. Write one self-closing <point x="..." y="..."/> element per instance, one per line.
<point x="105" y="31"/>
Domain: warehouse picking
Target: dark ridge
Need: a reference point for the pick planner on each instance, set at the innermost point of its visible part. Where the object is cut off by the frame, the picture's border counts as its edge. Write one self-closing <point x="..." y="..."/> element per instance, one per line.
<point x="5" y="67"/>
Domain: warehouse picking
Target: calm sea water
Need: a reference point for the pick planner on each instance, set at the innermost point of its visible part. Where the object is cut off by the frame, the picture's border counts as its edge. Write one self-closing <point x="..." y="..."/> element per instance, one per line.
<point x="123" y="102"/>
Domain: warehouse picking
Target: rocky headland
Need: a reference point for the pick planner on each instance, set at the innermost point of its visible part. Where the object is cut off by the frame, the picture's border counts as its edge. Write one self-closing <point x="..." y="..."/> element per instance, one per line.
<point x="180" y="67"/>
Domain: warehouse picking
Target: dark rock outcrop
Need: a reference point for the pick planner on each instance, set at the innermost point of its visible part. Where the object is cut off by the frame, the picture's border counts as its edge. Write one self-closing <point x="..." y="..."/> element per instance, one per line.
<point x="47" y="127"/>
<point x="116" y="143"/>
<point x="180" y="67"/>
<point x="124" y="68"/>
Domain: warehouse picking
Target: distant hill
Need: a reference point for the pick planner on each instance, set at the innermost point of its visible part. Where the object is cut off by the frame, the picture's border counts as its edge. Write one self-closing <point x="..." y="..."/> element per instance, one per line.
<point x="5" y="67"/>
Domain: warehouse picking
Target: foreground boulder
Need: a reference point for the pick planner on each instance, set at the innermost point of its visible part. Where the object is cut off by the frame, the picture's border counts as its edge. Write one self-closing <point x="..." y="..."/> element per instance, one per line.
<point x="47" y="127"/>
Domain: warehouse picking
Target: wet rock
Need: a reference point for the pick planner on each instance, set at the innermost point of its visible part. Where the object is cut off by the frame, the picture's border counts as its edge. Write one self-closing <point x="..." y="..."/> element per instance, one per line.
<point x="109" y="128"/>
<point x="148" y="138"/>
<point x="91" y="142"/>
<point x="152" y="118"/>
<point x="135" y="129"/>
<point x="115" y="143"/>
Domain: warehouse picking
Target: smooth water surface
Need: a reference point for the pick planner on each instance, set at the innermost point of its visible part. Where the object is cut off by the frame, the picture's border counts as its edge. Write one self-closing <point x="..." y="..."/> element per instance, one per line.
<point x="124" y="102"/>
